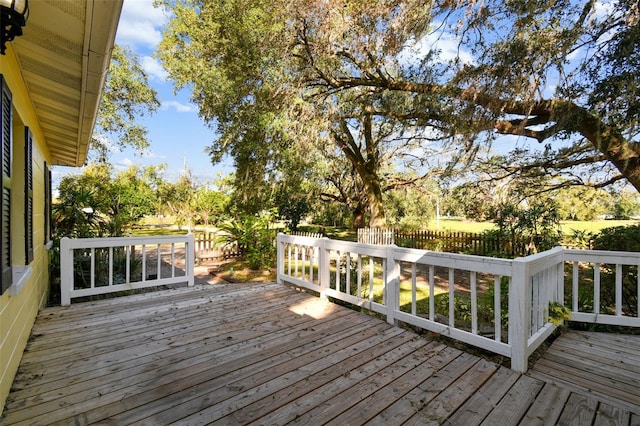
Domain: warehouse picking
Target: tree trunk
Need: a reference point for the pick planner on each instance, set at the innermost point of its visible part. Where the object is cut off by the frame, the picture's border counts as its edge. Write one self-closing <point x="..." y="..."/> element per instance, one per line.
<point x="358" y="216"/>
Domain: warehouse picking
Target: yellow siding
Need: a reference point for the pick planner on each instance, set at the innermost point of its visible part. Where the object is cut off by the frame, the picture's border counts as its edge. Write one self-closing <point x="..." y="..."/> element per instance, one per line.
<point x="17" y="313"/>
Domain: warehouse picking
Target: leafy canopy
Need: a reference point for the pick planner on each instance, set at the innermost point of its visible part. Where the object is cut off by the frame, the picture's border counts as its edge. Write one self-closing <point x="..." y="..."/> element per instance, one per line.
<point x="434" y="84"/>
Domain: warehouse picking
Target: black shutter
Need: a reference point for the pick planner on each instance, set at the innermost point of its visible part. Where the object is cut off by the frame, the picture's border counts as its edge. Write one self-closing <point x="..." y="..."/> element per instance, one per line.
<point x="5" y="163"/>
<point x="47" y="203"/>
<point x="28" y="195"/>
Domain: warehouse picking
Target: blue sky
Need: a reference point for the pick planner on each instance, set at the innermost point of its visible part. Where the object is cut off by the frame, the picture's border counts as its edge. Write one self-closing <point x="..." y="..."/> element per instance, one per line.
<point x="176" y="132"/>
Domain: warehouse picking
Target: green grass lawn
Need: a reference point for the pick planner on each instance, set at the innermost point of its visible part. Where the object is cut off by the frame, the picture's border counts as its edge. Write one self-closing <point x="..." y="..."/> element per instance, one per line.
<point x="461" y="225"/>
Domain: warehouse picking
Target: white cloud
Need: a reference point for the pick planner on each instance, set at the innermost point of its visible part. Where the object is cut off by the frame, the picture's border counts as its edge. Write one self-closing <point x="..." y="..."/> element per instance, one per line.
<point x="140" y="24"/>
<point x="124" y="163"/>
<point x="153" y="68"/>
<point x="446" y="43"/>
<point x="178" y="106"/>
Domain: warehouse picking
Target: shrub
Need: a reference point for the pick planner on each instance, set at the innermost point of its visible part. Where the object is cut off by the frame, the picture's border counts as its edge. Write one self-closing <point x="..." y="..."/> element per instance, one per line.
<point x="620" y="238"/>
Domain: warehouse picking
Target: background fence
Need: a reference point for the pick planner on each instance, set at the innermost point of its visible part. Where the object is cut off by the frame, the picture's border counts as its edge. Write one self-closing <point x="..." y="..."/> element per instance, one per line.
<point x="451" y="242"/>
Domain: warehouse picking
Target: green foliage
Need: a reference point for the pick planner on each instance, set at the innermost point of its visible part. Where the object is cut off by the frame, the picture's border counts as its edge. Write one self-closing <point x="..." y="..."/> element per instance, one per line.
<point x="558" y="313"/>
<point x="99" y="203"/>
<point x="126" y="96"/>
<point x="626" y="205"/>
<point x="582" y="203"/>
<point x="294" y="194"/>
<point x="578" y="238"/>
<point x="253" y="238"/>
<point x="210" y="205"/>
<point x="620" y="238"/>
<point x="537" y="226"/>
<point x="410" y="208"/>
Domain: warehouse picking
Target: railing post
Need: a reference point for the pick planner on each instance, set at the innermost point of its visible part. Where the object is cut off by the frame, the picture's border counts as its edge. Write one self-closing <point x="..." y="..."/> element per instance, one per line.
<point x="280" y="258"/>
<point x="392" y="285"/>
<point x="519" y="314"/>
<point x="324" y="265"/>
<point x="66" y="271"/>
<point x="190" y="259"/>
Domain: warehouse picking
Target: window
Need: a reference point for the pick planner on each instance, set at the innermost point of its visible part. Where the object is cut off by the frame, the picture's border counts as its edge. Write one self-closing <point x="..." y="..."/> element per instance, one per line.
<point x="28" y="195"/>
<point x="5" y="229"/>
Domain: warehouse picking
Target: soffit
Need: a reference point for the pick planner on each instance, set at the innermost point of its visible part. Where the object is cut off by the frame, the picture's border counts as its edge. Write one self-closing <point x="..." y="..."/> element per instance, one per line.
<point x="64" y="56"/>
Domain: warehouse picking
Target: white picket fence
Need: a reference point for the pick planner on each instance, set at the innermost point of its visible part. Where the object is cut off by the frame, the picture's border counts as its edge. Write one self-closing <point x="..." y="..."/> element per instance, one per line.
<point x="377" y="236"/>
<point x="373" y="277"/>
<point x="93" y="266"/>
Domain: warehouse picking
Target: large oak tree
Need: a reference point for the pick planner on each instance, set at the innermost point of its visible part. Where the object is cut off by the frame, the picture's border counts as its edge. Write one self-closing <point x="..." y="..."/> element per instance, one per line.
<point x="437" y="82"/>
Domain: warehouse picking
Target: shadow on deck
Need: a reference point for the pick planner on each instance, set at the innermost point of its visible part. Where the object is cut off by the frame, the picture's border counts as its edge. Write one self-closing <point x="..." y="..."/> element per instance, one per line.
<point x="268" y="354"/>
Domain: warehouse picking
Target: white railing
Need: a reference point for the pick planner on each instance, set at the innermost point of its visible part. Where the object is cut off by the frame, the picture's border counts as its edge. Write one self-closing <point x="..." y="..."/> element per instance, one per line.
<point x="93" y="266"/>
<point x="596" y="275"/>
<point x="496" y="304"/>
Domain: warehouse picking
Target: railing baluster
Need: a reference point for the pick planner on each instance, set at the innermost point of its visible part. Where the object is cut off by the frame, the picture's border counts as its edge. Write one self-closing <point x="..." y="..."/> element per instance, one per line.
<point x="596" y="289"/>
<point x="159" y="262"/>
<point x="432" y="293"/>
<point x="414" y="289"/>
<point x="144" y="262"/>
<point x="618" y="290"/>
<point x="173" y="260"/>
<point x="347" y="284"/>
<point x="127" y="250"/>
<point x="312" y="262"/>
<point x="110" y="266"/>
<point x="338" y="255"/>
<point x="452" y="299"/>
<point x="359" y="282"/>
<point x="535" y="304"/>
<point x="497" y="306"/>
<point x="304" y="260"/>
<point x="474" y="301"/>
<point x="575" y="286"/>
<point x="384" y="280"/>
<point x="93" y="267"/>
<point x="370" y="279"/>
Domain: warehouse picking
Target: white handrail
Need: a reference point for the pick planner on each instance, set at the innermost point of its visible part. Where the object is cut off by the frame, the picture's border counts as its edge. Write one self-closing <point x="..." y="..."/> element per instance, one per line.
<point x="347" y="271"/>
<point x="110" y="262"/>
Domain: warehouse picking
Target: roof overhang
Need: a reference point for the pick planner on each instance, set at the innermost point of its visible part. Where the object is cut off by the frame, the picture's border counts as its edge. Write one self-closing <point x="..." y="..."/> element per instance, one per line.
<point x="64" y="56"/>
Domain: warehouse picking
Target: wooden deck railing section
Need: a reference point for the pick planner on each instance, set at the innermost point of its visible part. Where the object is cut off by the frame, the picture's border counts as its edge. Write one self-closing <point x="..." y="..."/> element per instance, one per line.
<point x="496" y="304"/>
<point x="93" y="266"/>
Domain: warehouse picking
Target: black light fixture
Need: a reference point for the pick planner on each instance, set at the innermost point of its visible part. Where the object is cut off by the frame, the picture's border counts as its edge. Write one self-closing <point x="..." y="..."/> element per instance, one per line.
<point x="13" y="16"/>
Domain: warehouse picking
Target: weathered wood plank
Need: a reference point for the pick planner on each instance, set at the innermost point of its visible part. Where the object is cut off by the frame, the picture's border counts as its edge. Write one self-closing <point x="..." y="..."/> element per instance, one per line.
<point x="476" y="408"/>
<point x="266" y="354"/>
<point x="315" y="397"/>
<point x="608" y="415"/>
<point x="548" y="406"/>
<point x="515" y="403"/>
<point x="86" y="359"/>
<point x="579" y="410"/>
<point x="581" y="380"/>
<point x="445" y="372"/>
<point x="203" y="351"/>
<point x="190" y="375"/>
<point x="377" y="370"/>
<point x="273" y="380"/>
<point x="448" y="401"/>
<point x="251" y="379"/>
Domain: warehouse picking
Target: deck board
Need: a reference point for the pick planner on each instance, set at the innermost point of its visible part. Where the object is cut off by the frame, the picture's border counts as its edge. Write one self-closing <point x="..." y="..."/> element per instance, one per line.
<point x="594" y="364"/>
<point x="269" y="354"/>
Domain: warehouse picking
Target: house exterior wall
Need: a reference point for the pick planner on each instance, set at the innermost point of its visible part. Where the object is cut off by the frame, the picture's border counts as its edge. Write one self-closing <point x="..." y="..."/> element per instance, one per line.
<point x="18" y="311"/>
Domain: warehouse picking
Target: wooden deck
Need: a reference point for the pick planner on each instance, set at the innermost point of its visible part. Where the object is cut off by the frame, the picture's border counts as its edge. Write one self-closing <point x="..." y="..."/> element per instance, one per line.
<point x="268" y="354"/>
